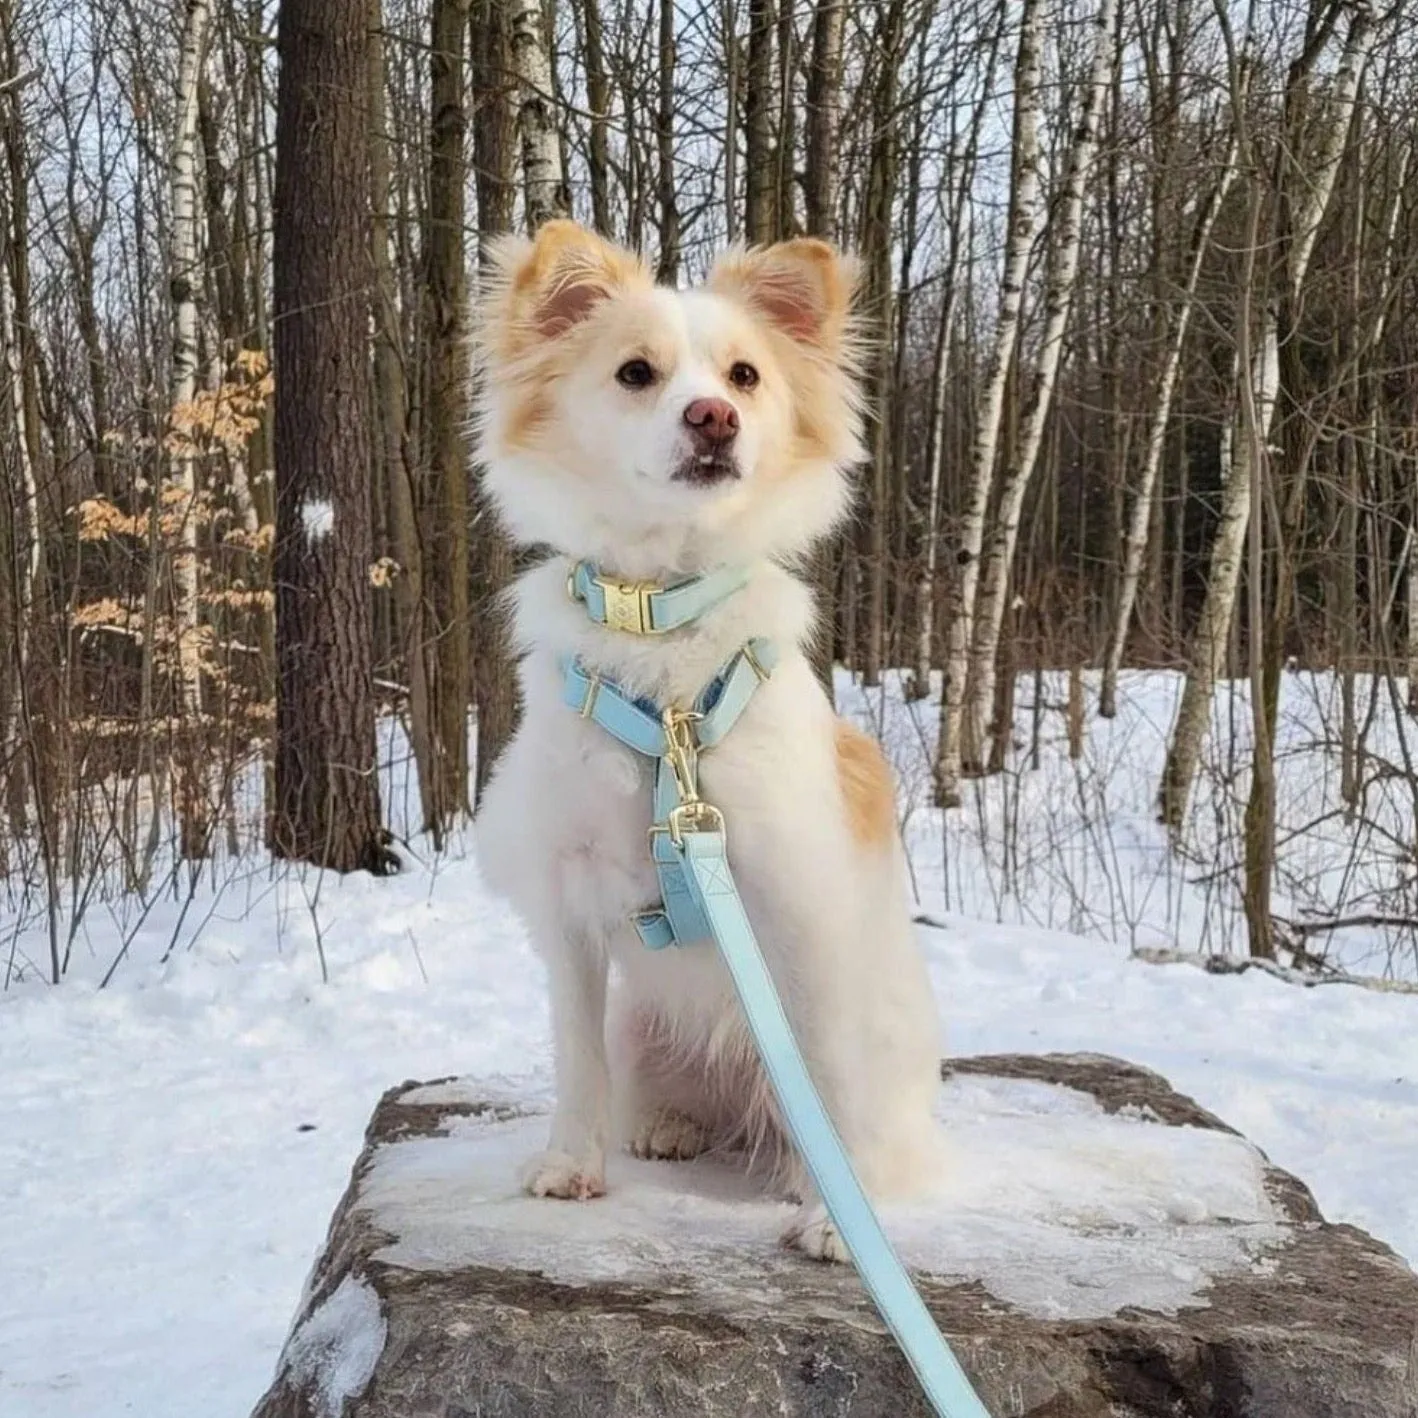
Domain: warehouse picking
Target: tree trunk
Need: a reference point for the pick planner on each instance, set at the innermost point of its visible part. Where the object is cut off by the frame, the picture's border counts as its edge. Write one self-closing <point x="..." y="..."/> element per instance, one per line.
<point x="877" y="232"/>
<point x="598" y="96"/>
<point x="1058" y="301"/>
<point x="959" y="231"/>
<point x="760" y="166"/>
<point x="1140" y="520"/>
<point x="1260" y="381"/>
<point x="397" y="457"/>
<point x="185" y="274"/>
<point x="824" y="117"/>
<point x="327" y="788"/>
<point x="495" y="163"/>
<point x="544" y="183"/>
<point x="1023" y="197"/>
<point x="668" y="269"/>
<point x="822" y="183"/>
<point x="444" y="506"/>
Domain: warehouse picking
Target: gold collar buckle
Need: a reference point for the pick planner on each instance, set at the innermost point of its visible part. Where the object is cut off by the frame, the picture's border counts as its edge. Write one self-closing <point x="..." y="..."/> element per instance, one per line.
<point x="628" y="605"/>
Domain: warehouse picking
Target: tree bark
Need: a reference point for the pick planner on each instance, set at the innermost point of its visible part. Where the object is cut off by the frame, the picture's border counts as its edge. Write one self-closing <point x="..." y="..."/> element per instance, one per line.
<point x="963" y="162"/>
<point x="1023" y="199"/>
<point x="544" y="183"/>
<point x="495" y="164"/>
<point x="1058" y="302"/>
<point x="598" y="95"/>
<point x="760" y="164"/>
<point x="327" y="789"/>
<point x="667" y="270"/>
<point x="1260" y="381"/>
<point x="1140" y="520"/>
<point x="444" y="505"/>
<point x="394" y="451"/>
<point x="185" y="274"/>
<point x="824" y="118"/>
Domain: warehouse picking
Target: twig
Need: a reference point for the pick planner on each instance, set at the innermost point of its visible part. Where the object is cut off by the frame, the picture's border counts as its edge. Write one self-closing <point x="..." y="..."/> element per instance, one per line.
<point x="1239" y="964"/>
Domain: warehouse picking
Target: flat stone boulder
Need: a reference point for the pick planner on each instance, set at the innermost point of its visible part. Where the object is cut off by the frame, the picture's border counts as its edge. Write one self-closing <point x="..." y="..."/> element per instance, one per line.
<point x="1103" y="1248"/>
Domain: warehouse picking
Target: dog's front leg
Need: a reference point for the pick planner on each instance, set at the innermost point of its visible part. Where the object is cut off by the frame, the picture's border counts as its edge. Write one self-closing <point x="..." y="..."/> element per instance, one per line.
<point x="574" y="1164"/>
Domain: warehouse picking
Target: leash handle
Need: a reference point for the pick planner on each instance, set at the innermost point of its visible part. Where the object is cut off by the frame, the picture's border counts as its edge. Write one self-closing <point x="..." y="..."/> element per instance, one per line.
<point x="944" y="1382"/>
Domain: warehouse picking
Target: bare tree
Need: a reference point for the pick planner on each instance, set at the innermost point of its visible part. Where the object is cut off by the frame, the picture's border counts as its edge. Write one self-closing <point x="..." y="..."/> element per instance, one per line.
<point x="1023" y="200"/>
<point x="1260" y="383"/>
<point x="326" y="807"/>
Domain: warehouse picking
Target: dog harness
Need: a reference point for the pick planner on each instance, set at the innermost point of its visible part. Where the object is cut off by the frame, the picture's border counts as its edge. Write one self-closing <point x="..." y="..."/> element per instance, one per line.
<point x="700" y="902"/>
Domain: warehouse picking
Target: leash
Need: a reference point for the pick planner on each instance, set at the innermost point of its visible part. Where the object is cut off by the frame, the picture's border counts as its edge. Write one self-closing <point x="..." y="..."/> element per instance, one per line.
<point x="700" y="900"/>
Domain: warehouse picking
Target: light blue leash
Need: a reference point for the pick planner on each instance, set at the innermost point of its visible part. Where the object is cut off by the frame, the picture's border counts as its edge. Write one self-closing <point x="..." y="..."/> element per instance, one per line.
<point x="700" y="901"/>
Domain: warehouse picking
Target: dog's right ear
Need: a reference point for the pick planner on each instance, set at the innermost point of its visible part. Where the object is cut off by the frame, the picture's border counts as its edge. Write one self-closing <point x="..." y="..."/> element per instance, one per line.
<point x="542" y="288"/>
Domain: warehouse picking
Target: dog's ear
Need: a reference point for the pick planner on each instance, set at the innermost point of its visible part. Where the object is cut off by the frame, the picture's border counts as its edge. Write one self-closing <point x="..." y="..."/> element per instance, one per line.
<point x="804" y="287"/>
<point x="549" y="285"/>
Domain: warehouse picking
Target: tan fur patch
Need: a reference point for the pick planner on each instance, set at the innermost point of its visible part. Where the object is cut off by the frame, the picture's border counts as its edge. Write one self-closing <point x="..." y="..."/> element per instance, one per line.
<point x="867" y="786"/>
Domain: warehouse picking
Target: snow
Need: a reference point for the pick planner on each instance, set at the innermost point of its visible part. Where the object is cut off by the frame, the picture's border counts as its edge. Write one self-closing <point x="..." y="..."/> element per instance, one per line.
<point x="317" y="516"/>
<point x="335" y="1351"/>
<point x="172" y="1146"/>
<point x="1056" y="1207"/>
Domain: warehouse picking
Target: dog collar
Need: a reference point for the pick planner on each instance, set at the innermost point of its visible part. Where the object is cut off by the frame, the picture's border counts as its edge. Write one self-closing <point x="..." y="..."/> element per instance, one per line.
<point x="645" y="607"/>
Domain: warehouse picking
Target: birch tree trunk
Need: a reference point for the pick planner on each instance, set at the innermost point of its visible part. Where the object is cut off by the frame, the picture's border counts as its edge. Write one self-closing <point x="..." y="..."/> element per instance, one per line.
<point x="1058" y="301"/>
<point x="185" y="275"/>
<point x="544" y="183"/>
<point x="1263" y="383"/>
<point x="1023" y="200"/>
<point x="1140" y="519"/>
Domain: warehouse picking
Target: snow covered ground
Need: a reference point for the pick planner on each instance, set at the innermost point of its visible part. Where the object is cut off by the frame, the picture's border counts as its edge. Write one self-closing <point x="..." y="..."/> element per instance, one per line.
<point x="171" y="1146"/>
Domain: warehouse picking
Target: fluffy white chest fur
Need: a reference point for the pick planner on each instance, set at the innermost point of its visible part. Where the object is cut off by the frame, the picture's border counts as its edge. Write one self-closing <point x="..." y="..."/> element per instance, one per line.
<point x="651" y="1048"/>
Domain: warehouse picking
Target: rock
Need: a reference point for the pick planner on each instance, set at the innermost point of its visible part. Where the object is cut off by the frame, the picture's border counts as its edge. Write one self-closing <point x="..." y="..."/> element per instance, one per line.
<point x="1105" y="1249"/>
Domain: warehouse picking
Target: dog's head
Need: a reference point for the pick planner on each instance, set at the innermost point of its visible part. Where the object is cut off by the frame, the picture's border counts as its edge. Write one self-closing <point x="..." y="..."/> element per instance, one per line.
<point x="641" y="426"/>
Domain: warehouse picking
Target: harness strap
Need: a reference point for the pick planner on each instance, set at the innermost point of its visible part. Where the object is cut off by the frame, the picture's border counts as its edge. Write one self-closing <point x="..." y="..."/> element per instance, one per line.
<point x="645" y="608"/>
<point x="641" y="726"/>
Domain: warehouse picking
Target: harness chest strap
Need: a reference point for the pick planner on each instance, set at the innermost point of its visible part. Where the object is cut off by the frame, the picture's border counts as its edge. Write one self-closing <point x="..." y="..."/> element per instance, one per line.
<point x="673" y="739"/>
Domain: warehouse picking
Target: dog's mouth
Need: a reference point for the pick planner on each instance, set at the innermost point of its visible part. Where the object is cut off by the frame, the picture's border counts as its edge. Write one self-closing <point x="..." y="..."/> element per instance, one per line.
<point x="707" y="469"/>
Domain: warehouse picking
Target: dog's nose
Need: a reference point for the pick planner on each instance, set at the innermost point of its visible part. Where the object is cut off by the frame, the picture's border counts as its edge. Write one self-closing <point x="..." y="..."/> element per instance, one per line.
<point x="713" y="423"/>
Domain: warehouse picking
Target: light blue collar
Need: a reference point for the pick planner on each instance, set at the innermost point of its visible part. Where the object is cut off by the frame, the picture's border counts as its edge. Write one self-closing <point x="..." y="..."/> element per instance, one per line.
<point x="646" y="608"/>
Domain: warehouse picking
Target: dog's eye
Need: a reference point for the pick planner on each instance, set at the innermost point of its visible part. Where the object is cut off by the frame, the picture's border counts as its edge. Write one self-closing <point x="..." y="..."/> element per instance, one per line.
<point x="635" y="374"/>
<point x="743" y="376"/>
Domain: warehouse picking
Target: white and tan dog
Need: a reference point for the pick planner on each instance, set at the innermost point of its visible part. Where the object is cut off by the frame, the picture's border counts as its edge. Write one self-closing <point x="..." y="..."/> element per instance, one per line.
<point x="660" y="434"/>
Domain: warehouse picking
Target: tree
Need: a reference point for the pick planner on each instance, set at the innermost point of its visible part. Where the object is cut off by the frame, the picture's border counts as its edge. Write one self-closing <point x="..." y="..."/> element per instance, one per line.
<point x="1309" y="189"/>
<point x="1058" y="302"/>
<point x="444" y="504"/>
<point x="326" y="807"/>
<point x="1023" y="199"/>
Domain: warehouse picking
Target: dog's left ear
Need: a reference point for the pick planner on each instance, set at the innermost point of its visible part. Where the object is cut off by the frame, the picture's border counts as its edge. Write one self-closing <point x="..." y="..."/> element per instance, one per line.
<point x="804" y="287"/>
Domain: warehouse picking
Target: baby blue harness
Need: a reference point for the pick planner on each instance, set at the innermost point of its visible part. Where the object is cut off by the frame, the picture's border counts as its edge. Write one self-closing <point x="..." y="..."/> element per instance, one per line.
<point x="699" y="901"/>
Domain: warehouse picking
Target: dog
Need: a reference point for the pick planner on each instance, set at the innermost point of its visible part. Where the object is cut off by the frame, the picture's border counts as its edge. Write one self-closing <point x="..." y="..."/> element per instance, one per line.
<point x="661" y="434"/>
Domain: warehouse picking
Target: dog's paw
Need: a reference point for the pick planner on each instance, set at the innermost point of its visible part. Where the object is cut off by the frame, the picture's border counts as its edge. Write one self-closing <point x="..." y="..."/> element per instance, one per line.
<point x="558" y="1174"/>
<point x="813" y="1233"/>
<point x="668" y="1134"/>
